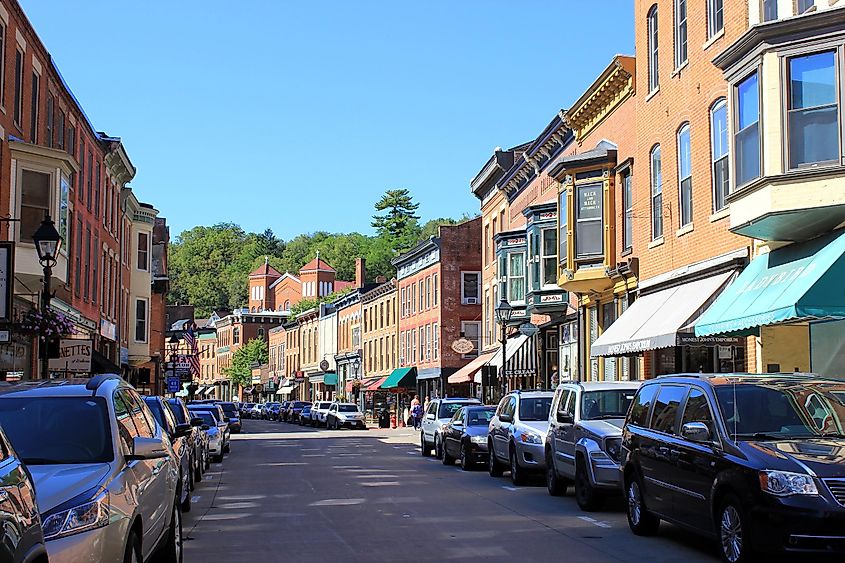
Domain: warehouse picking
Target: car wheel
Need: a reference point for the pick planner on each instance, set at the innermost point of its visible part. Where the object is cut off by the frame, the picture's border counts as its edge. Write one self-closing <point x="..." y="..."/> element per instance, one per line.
<point x="438" y="447"/>
<point x="517" y="473"/>
<point x="133" y="549"/>
<point x="493" y="466"/>
<point x="191" y="484"/>
<point x="426" y="451"/>
<point x="447" y="459"/>
<point x="173" y="546"/>
<point x="555" y="485"/>
<point x="218" y="458"/>
<point x="734" y="534"/>
<point x="640" y="520"/>
<point x="466" y="464"/>
<point x="587" y="497"/>
<point x="198" y="472"/>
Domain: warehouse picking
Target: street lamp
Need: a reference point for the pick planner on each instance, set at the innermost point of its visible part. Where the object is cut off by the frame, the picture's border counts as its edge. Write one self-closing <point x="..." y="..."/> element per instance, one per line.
<point x="503" y="313"/>
<point x="47" y="241"/>
<point x="356" y="365"/>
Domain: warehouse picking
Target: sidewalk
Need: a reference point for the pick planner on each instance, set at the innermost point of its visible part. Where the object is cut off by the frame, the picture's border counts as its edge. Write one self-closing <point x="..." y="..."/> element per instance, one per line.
<point x="405" y="435"/>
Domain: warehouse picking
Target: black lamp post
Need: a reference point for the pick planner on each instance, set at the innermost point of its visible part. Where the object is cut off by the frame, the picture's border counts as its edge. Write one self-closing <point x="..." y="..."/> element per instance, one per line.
<point x="356" y="365"/>
<point x="504" y="312"/>
<point x="173" y="347"/>
<point x="47" y="244"/>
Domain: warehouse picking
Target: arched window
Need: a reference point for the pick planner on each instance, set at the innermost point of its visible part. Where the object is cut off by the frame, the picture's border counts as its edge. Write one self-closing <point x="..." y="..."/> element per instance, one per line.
<point x="719" y="152"/>
<point x="685" y="174"/>
<point x="287" y="305"/>
<point x="656" y="193"/>
<point x="653" y="74"/>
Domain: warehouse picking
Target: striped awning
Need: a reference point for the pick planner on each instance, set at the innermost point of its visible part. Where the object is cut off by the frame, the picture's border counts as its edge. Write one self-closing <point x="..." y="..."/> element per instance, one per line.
<point x="521" y="358"/>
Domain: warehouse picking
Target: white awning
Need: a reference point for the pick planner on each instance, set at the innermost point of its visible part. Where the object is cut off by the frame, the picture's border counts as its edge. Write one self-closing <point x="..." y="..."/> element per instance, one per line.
<point x="514" y="345"/>
<point x="655" y="319"/>
<point x="286" y="390"/>
<point x="209" y="391"/>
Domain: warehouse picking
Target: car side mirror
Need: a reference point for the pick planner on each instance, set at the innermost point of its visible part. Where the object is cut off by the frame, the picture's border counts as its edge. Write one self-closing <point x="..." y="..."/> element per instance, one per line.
<point x="183" y="430"/>
<point x="146" y="448"/>
<point x="196" y="422"/>
<point x="505" y="418"/>
<point x="696" y="432"/>
<point x="226" y="419"/>
<point x="429" y="416"/>
<point x="205" y="427"/>
<point x="565" y="418"/>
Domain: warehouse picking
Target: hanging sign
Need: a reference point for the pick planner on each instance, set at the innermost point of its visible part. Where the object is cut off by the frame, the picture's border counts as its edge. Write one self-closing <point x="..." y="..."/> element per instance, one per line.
<point x="74" y="356"/>
<point x="463" y="346"/>
<point x="7" y="280"/>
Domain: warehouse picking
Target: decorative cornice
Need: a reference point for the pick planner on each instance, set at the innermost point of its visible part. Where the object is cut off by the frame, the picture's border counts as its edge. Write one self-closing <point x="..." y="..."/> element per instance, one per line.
<point x="67" y="162"/>
<point x="117" y="162"/>
<point x="613" y="86"/>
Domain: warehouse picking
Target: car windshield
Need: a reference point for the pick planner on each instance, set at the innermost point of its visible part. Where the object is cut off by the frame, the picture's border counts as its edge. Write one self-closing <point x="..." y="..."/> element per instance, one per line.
<point x="324" y="405"/>
<point x="58" y="430"/>
<point x="480" y="417"/>
<point x="213" y="413"/>
<point x="608" y="403"/>
<point x="229" y="409"/>
<point x="448" y="410"/>
<point x="298" y="404"/>
<point x="790" y="409"/>
<point x="206" y="417"/>
<point x="347" y="408"/>
<point x="534" y="408"/>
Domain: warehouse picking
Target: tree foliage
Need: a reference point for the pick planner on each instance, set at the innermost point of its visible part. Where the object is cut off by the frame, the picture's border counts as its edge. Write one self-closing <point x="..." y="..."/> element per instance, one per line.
<point x="252" y="353"/>
<point x="398" y="224"/>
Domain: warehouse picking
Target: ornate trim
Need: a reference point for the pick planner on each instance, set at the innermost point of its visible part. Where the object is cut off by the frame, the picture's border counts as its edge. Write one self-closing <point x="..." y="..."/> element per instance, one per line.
<point x="614" y="86"/>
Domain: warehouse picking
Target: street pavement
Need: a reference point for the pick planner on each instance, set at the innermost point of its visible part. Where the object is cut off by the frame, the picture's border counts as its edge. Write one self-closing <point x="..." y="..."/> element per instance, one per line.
<point x="287" y="492"/>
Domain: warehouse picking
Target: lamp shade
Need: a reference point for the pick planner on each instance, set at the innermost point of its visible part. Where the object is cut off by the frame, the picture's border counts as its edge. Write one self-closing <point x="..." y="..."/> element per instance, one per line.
<point x="503" y="311"/>
<point x="47" y="241"/>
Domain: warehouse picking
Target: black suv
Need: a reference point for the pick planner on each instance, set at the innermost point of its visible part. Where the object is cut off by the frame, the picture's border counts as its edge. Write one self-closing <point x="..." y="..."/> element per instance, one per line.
<point x="754" y="461"/>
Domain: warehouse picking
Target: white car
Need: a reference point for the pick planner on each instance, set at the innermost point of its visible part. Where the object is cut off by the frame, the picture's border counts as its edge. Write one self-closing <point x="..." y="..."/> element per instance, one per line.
<point x="319" y="411"/>
<point x="440" y="411"/>
<point x="345" y="414"/>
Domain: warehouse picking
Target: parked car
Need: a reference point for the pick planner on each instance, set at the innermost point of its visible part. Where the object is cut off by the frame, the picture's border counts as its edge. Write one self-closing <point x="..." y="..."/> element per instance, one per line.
<point x="198" y="437"/>
<point x="273" y="411"/>
<point x="345" y="415"/>
<point x="255" y="411"/>
<point x="294" y="410"/>
<point x="318" y="414"/>
<point x="21" y="535"/>
<point x="211" y="426"/>
<point x="282" y="411"/>
<point x="267" y="408"/>
<point x="106" y="477"/>
<point x="756" y="462"/>
<point x="518" y="434"/>
<point x="440" y="411"/>
<point x="305" y="415"/>
<point x="246" y="410"/>
<point x="220" y="421"/>
<point x="584" y="441"/>
<point x="179" y="435"/>
<point x="231" y="412"/>
<point x="465" y="436"/>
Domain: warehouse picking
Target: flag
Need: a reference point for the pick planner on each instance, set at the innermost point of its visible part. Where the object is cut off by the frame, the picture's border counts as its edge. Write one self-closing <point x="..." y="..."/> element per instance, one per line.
<point x="193" y="350"/>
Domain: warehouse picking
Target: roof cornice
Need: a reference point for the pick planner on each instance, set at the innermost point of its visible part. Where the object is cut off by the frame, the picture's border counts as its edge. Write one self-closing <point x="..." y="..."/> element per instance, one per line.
<point x="613" y="86"/>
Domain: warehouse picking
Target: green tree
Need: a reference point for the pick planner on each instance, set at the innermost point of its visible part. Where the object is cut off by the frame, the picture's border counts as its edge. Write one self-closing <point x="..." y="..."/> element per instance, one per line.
<point x="398" y="224"/>
<point x="252" y="353"/>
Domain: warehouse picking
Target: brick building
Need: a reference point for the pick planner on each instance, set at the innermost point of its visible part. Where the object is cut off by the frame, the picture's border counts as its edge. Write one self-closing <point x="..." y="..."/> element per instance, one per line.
<point x="233" y="331"/>
<point x="439" y="289"/>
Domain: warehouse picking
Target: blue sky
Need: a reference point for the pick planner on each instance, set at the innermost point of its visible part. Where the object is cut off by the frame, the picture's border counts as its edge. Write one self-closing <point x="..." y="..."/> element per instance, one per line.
<point x="298" y="115"/>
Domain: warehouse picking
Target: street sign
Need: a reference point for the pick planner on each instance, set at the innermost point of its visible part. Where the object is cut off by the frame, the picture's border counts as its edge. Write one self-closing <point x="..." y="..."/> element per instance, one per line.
<point x="173" y="384"/>
<point x="529" y="329"/>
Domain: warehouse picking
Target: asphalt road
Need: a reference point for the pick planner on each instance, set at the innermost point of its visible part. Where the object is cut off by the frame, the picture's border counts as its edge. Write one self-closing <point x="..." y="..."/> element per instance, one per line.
<point x="286" y="493"/>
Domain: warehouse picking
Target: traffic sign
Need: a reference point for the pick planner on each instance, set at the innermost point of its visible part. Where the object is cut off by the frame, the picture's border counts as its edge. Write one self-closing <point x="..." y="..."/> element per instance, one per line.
<point x="173" y="384"/>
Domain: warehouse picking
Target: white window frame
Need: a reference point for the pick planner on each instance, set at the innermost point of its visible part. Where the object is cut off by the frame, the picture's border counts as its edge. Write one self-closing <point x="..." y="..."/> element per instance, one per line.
<point x="511" y="277"/>
<point x="464" y="298"/>
<point x="681" y="33"/>
<point x="714" y="7"/>
<point x="146" y="303"/>
<point x="685" y="128"/>
<point x="720" y="105"/>
<point x="435" y="345"/>
<point x="477" y="350"/>
<point x="543" y="257"/>
<point x="656" y="182"/>
<point x="653" y="49"/>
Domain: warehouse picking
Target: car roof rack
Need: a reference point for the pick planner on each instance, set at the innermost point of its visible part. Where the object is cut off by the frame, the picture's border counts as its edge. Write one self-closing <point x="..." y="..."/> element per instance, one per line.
<point x="95" y="382"/>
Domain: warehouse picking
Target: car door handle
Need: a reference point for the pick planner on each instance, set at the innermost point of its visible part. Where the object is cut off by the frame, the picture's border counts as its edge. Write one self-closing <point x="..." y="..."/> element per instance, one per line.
<point x="663" y="450"/>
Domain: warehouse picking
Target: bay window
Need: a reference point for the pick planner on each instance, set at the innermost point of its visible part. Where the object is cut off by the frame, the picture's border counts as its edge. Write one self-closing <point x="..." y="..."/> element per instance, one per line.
<point x="516" y="277"/>
<point x="813" y="110"/>
<point x="589" y="239"/>
<point x="548" y="257"/>
<point x="747" y="136"/>
<point x="656" y="194"/>
<point x="563" y="214"/>
<point x="719" y="153"/>
<point x="685" y="174"/>
<point x="35" y="201"/>
<point x="140" y="320"/>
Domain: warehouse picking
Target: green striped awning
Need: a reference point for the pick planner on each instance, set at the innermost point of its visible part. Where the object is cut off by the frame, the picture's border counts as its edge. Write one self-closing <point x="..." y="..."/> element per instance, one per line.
<point x="401" y="377"/>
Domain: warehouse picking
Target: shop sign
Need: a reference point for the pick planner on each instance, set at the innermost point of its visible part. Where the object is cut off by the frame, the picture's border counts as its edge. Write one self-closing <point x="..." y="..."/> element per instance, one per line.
<point x="181" y="365"/>
<point x="529" y="329"/>
<point x="5" y="336"/>
<point x="7" y="280"/>
<point x="553" y="298"/>
<point x="256" y="378"/>
<point x="690" y="340"/>
<point x="124" y="355"/>
<point x="13" y="376"/>
<point x="463" y="346"/>
<point x="74" y="356"/>
<point x="108" y="330"/>
<point x="324" y="365"/>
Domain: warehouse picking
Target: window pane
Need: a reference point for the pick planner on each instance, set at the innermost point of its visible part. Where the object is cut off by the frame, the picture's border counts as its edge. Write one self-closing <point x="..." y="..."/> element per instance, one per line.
<point x="517" y="264"/>
<point x="680" y="32"/>
<point x="666" y="408"/>
<point x="697" y="410"/>
<point x="719" y="130"/>
<point x="588" y="229"/>
<point x="814" y="115"/>
<point x="653" y="74"/>
<point x="748" y="102"/>
<point x="548" y="242"/>
<point x="562" y="213"/>
<point x="721" y="183"/>
<point x="549" y="271"/>
<point x="770" y="10"/>
<point x="716" y="17"/>
<point x="684" y="156"/>
<point x="747" y="155"/>
<point x="686" y="201"/>
<point x="642" y="406"/>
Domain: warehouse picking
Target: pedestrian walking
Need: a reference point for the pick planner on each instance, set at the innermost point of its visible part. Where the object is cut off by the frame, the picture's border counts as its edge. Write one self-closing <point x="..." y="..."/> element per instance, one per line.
<point x="417" y="413"/>
<point x="427" y="402"/>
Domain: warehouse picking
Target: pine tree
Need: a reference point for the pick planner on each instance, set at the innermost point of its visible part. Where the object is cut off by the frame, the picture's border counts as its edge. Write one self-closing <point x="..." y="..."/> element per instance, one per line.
<point x="398" y="225"/>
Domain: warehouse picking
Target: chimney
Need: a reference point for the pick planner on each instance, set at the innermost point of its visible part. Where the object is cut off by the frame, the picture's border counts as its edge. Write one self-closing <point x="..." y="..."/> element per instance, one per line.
<point x="360" y="272"/>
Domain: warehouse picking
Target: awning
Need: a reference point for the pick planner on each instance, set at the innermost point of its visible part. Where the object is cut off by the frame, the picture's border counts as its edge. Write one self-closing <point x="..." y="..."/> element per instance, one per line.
<point x="655" y="319"/>
<point x="374" y="383"/>
<point x="401" y="377"/>
<point x="428" y="373"/>
<point x="316" y="378"/>
<point x="521" y="358"/>
<point x="286" y="390"/>
<point x="802" y="281"/>
<point x="330" y="379"/>
<point x="209" y="391"/>
<point x="201" y="390"/>
<point x="466" y="373"/>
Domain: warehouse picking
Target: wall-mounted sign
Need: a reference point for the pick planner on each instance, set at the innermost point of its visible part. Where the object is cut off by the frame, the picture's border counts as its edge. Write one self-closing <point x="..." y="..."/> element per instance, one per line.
<point x="7" y="279"/>
<point x="256" y="378"/>
<point x="324" y="365"/>
<point x="529" y="329"/>
<point x="108" y="330"/>
<point x="74" y="356"/>
<point x="463" y="346"/>
<point x="552" y="298"/>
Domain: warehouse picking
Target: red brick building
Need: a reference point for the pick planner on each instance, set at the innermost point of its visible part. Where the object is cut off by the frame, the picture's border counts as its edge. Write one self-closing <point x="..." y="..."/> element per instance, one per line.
<point x="439" y="289"/>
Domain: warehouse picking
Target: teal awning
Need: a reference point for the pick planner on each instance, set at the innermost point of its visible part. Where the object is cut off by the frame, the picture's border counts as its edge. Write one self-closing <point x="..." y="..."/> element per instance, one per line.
<point x="330" y="379"/>
<point x="401" y="377"/>
<point x="802" y="281"/>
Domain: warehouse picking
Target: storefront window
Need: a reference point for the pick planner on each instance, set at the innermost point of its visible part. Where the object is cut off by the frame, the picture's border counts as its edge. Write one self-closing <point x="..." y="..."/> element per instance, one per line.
<point x="813" y="110"/>
<point x="568" y="357"/>
<point x="827" y="349"/>
<point x="608" y="316"/>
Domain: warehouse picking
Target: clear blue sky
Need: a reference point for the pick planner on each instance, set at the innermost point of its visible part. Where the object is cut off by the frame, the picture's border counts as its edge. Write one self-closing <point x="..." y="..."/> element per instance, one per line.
<point x="298" y="115"/>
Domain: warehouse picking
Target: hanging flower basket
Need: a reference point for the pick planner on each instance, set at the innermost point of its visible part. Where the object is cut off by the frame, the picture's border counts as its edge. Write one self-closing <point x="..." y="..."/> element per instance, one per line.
<point x="356" y="386"/>
<point x="49" y="324"/>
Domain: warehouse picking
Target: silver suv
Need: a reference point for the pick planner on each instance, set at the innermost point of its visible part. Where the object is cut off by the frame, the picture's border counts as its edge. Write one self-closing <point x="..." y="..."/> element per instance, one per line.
<point x="106" y="477"/>
<point x="585" y="438"/>
<point x="517" y="433"/>
<point x="439" y="412"/>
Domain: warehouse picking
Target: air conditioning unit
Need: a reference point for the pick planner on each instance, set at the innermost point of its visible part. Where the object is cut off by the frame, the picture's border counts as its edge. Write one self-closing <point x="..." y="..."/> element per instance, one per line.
<point x="471" y="301"/>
